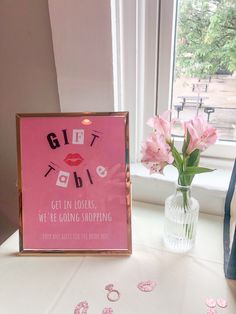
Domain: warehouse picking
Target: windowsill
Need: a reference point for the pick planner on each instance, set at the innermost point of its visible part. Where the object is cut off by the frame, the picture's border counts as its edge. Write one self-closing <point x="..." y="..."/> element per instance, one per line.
<point x="208" y="188"/>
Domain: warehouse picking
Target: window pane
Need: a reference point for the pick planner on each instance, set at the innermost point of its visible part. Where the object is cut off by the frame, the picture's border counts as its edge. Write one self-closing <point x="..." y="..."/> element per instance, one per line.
<point x="205" y="64"/>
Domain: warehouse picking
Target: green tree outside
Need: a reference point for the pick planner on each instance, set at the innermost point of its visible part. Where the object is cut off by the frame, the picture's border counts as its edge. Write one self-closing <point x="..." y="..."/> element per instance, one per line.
<point x="206" y="37"/>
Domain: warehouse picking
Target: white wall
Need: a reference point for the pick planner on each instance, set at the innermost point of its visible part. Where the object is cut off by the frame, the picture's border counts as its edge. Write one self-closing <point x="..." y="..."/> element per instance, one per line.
<point x="28" y="79"/>
<point x="27" y="84"/>
<point x="81" y="31"/>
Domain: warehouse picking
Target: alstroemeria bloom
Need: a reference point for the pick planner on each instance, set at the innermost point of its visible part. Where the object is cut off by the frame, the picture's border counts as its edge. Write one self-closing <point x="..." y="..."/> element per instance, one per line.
<point x="202" y="134"/>
<point x="162" y="125"/>
<point x="156" y="153"/>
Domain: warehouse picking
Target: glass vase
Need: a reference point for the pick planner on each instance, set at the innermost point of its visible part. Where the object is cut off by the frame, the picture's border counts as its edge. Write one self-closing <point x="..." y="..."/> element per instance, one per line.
<point x="181" y="217"/>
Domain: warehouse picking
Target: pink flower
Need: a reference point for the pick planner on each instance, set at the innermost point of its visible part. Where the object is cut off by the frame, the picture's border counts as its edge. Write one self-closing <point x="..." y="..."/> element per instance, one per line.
<point x="202" y="134"/>
<point x="162" y="125"/>
<point x="156" y="153"/>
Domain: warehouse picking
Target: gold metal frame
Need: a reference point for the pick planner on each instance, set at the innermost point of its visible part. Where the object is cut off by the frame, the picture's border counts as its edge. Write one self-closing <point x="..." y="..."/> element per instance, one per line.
<point x="22" y="250"/>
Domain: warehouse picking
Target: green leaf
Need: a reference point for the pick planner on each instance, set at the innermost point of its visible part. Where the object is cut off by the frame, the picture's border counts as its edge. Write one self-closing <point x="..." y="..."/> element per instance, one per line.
<point x="196" y="170"/>
<point x="185" y="179"/>
<point x="194" y="158"/>
<point x="178" y="163"/>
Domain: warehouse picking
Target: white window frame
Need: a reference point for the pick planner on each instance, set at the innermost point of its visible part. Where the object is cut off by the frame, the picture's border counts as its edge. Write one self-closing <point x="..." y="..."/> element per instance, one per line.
<point x="143" y="45"/>
<point x="134" y="64"/>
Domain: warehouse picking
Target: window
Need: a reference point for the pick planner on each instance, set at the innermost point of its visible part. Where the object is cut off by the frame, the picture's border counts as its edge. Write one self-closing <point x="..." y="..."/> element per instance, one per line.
<point x="204" y="81"/>
<point x="148" y="79"/>
<point x="201" y="81"/>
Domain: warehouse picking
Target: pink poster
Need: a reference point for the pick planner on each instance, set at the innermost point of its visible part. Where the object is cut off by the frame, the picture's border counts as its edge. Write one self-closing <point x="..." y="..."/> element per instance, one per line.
<point x="74" y="183"/>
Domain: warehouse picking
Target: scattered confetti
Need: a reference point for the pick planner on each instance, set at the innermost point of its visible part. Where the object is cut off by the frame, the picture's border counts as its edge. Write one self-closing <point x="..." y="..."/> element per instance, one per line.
<point x="146" y="286"/>
<point x="109" y="287"/>
<point x="81" y="308"/>
<point x="221" y="302"/>
<point x="107" y="310"/>
<point x="211" y="311"/>
<point x="210" y="302"/>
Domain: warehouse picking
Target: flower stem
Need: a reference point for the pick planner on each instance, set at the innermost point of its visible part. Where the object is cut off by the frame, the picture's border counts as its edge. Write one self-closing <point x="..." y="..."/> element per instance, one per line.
<point x="185" y="200"/>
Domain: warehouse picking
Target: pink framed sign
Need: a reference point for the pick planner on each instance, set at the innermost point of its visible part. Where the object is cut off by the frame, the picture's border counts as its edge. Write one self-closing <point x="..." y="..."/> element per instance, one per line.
<point x="74" y="183"/>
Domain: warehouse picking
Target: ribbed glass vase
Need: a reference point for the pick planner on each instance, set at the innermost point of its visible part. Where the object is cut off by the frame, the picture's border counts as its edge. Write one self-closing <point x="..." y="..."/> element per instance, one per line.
<point x="181" y="217"/>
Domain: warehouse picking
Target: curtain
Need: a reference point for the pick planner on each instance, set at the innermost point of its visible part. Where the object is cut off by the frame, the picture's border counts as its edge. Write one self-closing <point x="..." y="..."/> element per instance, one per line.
<point x="230" y="229"/>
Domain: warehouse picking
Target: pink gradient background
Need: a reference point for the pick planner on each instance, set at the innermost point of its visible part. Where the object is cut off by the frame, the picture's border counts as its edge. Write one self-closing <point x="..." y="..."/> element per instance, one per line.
<point x="109" y="193"/>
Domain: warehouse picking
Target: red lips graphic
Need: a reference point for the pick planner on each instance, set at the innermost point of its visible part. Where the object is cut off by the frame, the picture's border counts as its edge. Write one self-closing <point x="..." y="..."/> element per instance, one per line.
<point x="73" y="159"/>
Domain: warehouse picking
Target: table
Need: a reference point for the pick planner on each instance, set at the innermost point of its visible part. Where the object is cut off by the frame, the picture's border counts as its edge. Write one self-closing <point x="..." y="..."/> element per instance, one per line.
<point x="212" y="109"/>
<point x="200" y="87"/>
<point x="195" y="101"/>
<point x="54" y="285"/>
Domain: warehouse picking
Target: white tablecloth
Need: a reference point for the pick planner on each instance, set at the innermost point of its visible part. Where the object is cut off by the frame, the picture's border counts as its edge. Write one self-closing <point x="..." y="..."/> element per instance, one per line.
<point x="53" y="284"/>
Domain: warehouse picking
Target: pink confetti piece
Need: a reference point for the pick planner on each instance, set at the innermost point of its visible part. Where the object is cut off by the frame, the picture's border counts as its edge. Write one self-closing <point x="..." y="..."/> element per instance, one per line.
<point x="109" y="287"/>
<point x="210" y="302"/>
<point x="146" y="286"/>
<point x="107" y="310"/>
<point x="211" y="311"/>
<point x="222" y="302"/>
<point x="81" y="308"/>
<point x="113" y="295"/>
